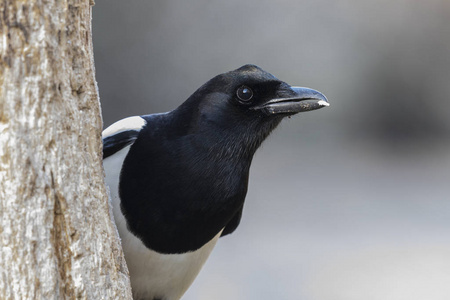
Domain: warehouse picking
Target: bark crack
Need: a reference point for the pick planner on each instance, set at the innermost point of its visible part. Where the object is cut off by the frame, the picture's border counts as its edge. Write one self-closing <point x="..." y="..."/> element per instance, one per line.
<point x="61" y="241"/>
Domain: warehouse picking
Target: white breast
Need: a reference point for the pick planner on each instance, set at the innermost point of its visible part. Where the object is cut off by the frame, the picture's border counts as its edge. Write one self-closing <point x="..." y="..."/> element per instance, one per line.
<point x="153" y="275"/>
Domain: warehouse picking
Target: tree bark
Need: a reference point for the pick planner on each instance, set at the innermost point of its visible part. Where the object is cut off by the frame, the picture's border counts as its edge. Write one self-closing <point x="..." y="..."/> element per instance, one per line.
<point x="57" y="240"/>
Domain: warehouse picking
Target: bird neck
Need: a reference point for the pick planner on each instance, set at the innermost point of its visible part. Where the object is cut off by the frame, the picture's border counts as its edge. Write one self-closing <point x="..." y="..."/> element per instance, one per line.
<point x="229" y="139"/>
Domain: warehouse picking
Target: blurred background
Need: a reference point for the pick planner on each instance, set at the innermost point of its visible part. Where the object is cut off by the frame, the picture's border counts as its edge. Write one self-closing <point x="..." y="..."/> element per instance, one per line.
<point x="347" y="202"/>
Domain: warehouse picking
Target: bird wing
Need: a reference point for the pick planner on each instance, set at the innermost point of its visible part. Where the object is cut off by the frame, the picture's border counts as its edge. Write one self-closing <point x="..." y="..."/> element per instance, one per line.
<point x="121" y="134"/>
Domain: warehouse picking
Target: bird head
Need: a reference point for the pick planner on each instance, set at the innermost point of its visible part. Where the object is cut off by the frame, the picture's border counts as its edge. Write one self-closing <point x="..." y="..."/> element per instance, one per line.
<point x="243" y="106"/>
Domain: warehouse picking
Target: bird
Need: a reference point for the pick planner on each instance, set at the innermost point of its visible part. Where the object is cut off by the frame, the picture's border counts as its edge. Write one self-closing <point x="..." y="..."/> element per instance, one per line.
<point x="178" y="180"/>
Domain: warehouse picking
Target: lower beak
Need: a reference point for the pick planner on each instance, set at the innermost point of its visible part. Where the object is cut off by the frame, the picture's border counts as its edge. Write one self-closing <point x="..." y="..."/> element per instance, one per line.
<point x="305" y="99"/>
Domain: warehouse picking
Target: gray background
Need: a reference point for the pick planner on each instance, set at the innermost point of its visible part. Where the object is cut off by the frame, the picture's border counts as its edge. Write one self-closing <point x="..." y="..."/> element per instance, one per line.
<point x="348" y="202"/>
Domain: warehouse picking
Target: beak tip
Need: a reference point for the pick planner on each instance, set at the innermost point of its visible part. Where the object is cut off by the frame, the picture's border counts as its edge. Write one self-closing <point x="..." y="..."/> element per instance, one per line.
<point x="323" y="103"/>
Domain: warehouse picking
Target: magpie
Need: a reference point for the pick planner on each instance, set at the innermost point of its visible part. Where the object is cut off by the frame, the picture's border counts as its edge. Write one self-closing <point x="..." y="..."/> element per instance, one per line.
<point x="178" y="179"/>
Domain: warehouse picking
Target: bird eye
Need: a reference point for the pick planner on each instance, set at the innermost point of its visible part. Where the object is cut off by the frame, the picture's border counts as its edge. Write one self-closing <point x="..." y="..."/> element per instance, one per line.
<point x="244" y="93"/>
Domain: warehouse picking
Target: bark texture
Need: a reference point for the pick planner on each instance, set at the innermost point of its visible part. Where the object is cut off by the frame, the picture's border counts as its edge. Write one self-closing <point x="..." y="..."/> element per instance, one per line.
<point x="57" y="240"/>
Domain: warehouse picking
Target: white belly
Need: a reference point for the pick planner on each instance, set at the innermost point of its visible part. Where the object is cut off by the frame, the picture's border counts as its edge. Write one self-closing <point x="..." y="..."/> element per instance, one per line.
<point x="153" y="275"/>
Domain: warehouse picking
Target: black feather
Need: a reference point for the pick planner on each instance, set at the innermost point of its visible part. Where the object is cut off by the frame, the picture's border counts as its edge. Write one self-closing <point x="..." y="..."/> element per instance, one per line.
<point x="116" y="142"/>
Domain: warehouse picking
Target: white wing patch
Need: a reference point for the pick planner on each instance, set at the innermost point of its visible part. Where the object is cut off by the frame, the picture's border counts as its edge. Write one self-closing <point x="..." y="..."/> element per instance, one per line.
<point x="130" y="123"/>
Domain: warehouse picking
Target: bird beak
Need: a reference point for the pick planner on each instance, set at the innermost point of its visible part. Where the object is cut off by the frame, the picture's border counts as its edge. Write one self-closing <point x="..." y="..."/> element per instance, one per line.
<point x="305" y="99"/>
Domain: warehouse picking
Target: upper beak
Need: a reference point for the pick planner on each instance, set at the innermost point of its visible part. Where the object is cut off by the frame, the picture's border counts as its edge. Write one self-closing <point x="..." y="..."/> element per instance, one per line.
<point x="305" y="99"/>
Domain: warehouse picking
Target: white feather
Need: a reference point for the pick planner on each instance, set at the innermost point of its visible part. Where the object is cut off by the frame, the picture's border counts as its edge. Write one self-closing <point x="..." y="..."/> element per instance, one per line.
<point x="130" y="123"/>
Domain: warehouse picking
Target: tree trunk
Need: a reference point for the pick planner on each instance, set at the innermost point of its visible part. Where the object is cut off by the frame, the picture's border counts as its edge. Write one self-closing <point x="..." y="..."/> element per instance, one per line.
<point x="57" y="240"/>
